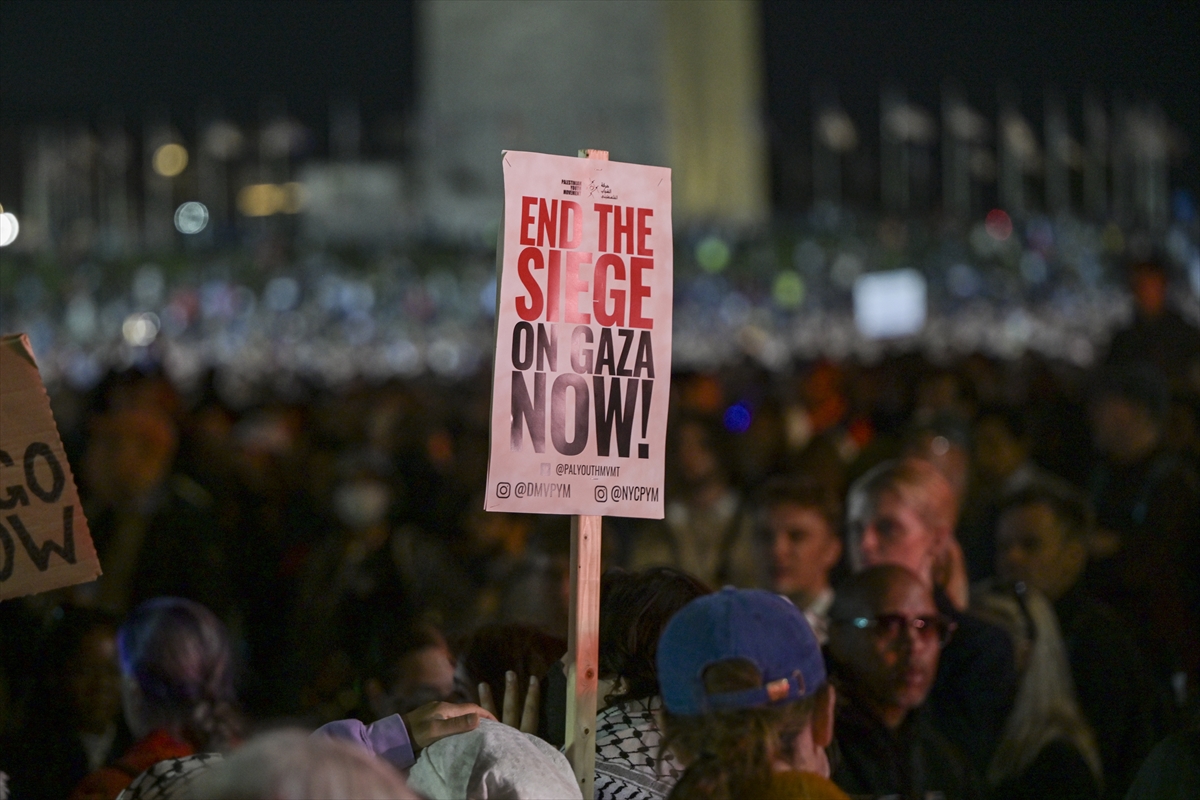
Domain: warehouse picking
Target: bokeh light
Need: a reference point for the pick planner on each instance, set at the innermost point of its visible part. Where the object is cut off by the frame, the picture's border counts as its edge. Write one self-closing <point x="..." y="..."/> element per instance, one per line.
<point x="889" y="304"/>
<point x="738" y="418"/>
<point x="845" y="269"/>
<point x="963" y="281"/>
<point x="140" y="330"/>
<point x="998" y="224"/>
<point x="191" y="217"/>
<point x="1033" y="268"/>
<point x="294" y="198"/>
<point x="788" y="291"/>
<point x="266" y="199"/>
<point x="837" y="131"/>
<point x="910" y="123"/>
<point x="281" y="294"/>
<point x="148" y="285"/>
<point x="170" y="160"/>
<point x="712" y="254"/>
<point x="9" y="228"/>
<point x="259" y="199"/>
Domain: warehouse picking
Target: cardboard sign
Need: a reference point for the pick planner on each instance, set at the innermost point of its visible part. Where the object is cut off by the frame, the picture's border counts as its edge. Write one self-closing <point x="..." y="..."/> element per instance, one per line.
<point x="582" y="374"/>
<point x="44" y="539"/>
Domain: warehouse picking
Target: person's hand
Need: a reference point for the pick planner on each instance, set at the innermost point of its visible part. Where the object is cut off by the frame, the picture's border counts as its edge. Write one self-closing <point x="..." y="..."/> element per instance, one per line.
<point x="527" y="721"/>
<point x="437" y="720"/>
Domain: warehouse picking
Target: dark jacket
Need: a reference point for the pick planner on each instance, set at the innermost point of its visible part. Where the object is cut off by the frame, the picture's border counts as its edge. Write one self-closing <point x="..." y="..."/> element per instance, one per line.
<point x="1154" y="506"/>
<point x="975" y="686"/>
<point x="1167" y="341"/>
<point x="1058" y="772"/>
<point x="47" y="759"/>
<point x="181" y="553"/>
<point x="1110" y="684"/>
<point x="871" y="761"/>
<point x="1172" y="771"/>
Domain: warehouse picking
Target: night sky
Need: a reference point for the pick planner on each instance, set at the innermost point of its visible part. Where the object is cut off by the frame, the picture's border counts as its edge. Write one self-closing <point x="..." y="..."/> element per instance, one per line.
<point x="72" y="60"/>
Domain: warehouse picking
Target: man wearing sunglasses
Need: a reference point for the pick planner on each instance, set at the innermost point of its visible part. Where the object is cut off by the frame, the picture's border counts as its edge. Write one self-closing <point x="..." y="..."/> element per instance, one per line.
<point x="885" y="638"/>
<point x="904" y="513"/>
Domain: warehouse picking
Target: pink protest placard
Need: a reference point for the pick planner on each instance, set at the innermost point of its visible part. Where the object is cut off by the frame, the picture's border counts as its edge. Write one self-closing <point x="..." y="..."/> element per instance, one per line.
<point x="44" y="539"/>
<point x="581" y="378"/>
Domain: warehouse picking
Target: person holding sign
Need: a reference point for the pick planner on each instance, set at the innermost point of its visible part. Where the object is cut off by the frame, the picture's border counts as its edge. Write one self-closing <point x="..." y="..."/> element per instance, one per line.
<point x="583" y="349"/>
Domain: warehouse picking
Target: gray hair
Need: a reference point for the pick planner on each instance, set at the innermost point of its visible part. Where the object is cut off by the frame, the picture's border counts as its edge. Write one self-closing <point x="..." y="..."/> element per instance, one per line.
<point x="291" y="765"/>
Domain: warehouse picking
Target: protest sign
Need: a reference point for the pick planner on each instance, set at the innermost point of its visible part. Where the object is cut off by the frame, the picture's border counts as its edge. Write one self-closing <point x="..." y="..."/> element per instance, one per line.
<point x="581" y="377"/>
<point x="44" y="539"/>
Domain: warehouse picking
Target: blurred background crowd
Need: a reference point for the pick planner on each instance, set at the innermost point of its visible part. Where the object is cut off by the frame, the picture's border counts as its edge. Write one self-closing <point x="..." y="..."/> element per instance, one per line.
<point x="261" y="298"/>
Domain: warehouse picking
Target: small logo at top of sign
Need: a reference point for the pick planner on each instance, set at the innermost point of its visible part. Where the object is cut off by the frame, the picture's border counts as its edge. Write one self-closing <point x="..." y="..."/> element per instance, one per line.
<point x="572" y="188"/>
<point x="601" y="188"/>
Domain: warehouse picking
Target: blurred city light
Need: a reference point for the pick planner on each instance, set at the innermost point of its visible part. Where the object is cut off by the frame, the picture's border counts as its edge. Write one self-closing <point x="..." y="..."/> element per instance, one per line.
<point x="738" y="418"/>
<point x="998" y="224"/>
<point x="283" y="138"/>
<point x="266" y="199"/>
<point x="170" y="160"/>
<point x="712" y="254"/>
<point x="837" y="131"/>
<point x="788" y="290"/>
<point x="1033" y="267"/>
<point x="910" y="123"/>
<point x="487" y="298"/>
<point x="889" y="304"/>
<point x="967" y="124"/>
<point x="281" y="294"/>
<point x="191" y="217"/>
<point x="223" y="141"/>
<point x="294" y="198"/>
<point x="9" y="228"/>
<point x="148" y="285"/>
<point x="259" y="199"/>
<point x="1011" y="233"/>
<point x="140" y="330"/>
<point x="963" y="281"/>
<point x="845" y="269"/>
<point x="1019" y="137"/>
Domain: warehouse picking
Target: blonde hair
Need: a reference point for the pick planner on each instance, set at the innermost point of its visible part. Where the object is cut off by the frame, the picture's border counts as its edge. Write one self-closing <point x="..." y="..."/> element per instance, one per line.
<point x="1045" y="709"/>
<point x="916" y="482"/>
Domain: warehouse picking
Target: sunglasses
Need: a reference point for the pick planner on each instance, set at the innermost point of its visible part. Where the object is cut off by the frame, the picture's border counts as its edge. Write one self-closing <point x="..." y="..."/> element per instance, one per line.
<point x="889" y="626"/>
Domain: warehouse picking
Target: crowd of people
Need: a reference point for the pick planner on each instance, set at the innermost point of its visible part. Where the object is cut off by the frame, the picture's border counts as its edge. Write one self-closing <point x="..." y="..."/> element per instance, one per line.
<point x="979" y="579"/>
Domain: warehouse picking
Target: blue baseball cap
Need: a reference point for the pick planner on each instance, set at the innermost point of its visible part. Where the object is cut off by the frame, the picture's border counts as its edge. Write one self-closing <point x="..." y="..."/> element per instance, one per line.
<point x="750" y="624"/>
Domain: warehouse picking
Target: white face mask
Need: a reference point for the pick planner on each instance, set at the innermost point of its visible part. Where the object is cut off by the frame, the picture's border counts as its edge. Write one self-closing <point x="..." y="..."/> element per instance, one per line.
<point x="362" y="503"/>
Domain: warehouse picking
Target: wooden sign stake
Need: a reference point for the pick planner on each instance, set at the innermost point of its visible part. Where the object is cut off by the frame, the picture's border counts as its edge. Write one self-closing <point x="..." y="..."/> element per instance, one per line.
<point x="583" y="635"/>
<point x="583" y="649"/>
